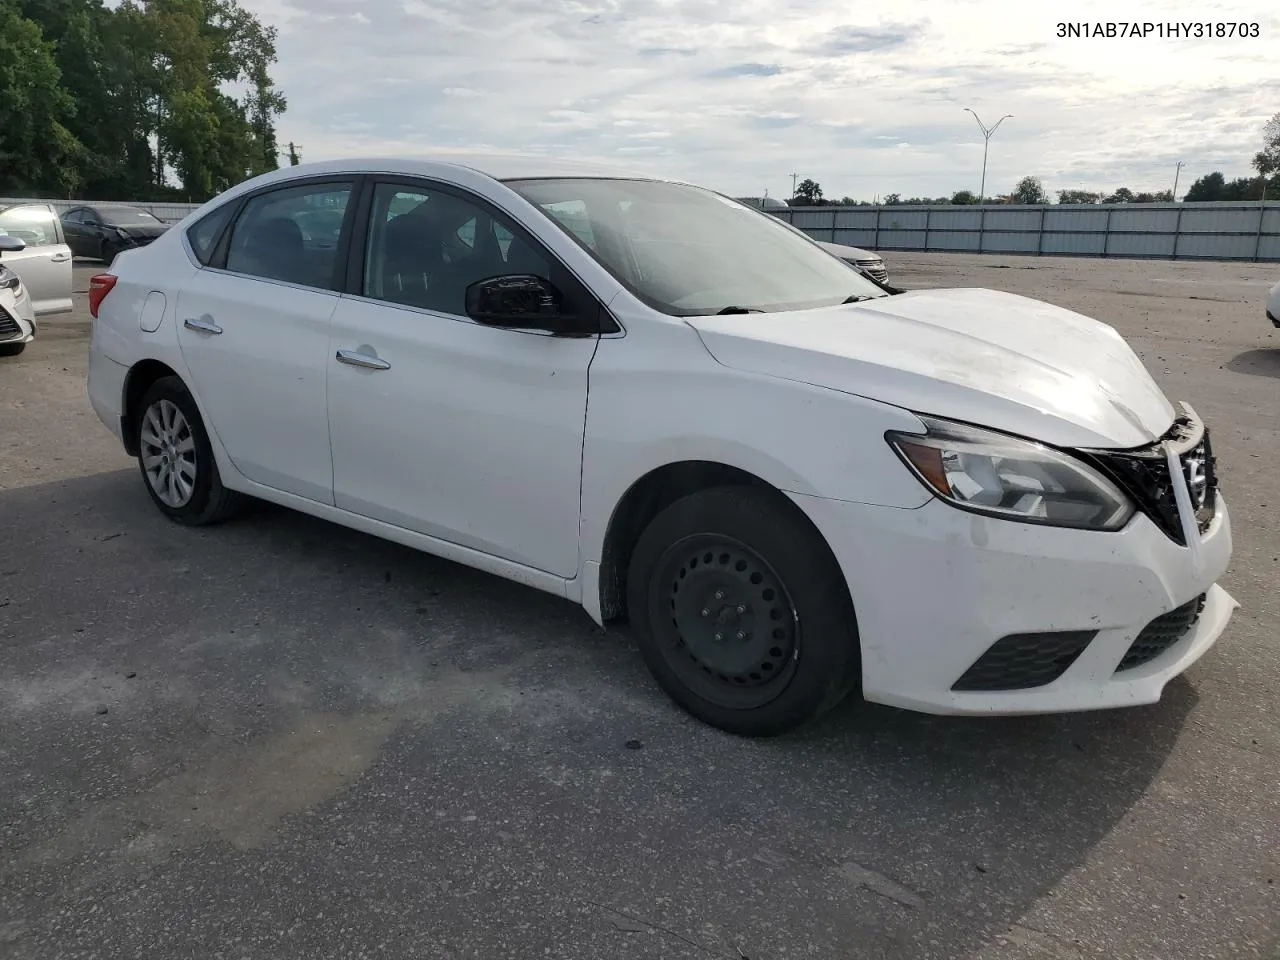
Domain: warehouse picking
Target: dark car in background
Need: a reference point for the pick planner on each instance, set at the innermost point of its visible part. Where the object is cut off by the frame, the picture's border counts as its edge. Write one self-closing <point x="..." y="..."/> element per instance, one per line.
<point x="100" y="231"/>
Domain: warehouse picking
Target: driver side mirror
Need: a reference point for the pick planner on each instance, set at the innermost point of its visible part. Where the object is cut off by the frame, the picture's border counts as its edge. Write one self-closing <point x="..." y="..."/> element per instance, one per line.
<point x="518" y="301"/>
<point x="10" y="244"/>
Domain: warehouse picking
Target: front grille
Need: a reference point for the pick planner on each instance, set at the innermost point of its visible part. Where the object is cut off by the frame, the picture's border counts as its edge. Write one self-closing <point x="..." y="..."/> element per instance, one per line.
<point x="8" y="325"/>
<point x="1021" y="661"/>
<point x="1144" y="474"/>
<point x="874" y="267"/>
<point x="1162" y="633"/>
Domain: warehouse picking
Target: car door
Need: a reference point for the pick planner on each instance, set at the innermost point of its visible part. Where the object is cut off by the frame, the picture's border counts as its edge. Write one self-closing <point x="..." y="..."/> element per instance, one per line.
<point x="441" y="425"/>
<point x="45" y="264"/>
<point x="73" y="229"/>
<point x="253" y="327"/>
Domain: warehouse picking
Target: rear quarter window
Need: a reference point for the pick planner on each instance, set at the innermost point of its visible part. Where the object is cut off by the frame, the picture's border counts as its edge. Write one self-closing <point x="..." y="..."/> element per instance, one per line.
<point x="203" y="235"/>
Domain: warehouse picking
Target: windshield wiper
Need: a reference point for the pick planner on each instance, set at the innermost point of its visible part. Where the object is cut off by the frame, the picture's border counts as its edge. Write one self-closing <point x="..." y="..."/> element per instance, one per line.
<point x="729" y="310"/>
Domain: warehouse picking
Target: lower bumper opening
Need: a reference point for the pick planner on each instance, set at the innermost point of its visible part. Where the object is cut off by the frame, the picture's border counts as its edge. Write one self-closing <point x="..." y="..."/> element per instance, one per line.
<point x="1162" y="633"/>
<point x="1022" y="661"/>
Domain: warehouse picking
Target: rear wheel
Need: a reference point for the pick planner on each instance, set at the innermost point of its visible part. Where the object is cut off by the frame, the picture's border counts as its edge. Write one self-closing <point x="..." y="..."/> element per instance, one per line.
<point x="176" y="459"/>
<point x="741" y="612"/>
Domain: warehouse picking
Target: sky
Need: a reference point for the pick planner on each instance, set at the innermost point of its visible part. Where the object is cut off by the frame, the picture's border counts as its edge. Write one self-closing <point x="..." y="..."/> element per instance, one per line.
<point x="867" y="98"/>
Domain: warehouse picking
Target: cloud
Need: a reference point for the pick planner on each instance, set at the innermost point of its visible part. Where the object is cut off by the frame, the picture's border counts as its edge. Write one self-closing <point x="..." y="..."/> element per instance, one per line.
<point x="846" y="40"/>
<point x="739" y="97"/>
<point x="747" y="70"/>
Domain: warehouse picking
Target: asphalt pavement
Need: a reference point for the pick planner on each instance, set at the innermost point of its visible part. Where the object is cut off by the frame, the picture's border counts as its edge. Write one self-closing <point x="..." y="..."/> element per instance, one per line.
<point x="281" y="739"/>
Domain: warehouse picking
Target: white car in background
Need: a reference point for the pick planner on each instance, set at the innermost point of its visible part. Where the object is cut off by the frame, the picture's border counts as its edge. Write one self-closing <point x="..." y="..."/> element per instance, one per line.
<point x="35" y="270"/>
<point x="866" y="260"/>
<point x="651" y="400"/>
<point x="17" y="317"/>
<point x="1273" y="306"/>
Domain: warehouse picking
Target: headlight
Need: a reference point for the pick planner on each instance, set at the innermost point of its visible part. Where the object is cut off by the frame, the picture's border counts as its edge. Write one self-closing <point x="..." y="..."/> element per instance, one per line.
<point x="10" y="281"/>
<point x="124" y="234"/>
<point x="1003" y="476"/>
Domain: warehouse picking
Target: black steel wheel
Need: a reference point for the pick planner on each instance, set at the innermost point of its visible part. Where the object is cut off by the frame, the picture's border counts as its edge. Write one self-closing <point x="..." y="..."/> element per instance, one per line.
<point x="741" y="611"/>
<point x="732" y="635"/>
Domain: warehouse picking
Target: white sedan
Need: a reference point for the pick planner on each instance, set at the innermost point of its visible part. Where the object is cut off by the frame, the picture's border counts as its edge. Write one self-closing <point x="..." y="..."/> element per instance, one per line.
<point x="670" y="408"/>
<point x="865" y="260"/>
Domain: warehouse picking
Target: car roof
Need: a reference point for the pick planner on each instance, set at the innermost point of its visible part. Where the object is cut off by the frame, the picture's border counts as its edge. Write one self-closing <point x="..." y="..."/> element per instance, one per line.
<point x="499" y="166"/>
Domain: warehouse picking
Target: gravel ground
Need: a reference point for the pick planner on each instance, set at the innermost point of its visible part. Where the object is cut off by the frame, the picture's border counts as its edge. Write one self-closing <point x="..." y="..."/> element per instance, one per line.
<point x="279" y="739"/>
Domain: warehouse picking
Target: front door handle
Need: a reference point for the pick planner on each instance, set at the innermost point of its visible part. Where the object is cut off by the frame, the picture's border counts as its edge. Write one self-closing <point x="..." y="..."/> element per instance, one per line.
<point x="362" y="360"/>
<point x="60" y="257"/>
<point x="204" y="325"/>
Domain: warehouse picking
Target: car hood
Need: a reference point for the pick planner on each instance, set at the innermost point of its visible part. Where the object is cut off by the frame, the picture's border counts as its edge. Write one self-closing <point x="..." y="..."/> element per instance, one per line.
<point x="984" y="357"/>
<point x="844" y="250"/>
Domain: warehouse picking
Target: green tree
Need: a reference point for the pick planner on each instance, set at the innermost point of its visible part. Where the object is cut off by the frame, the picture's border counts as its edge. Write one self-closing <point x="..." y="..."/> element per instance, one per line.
<point x="1267" y="160"/>
<point x="809" y="193"/>
<point x="38" y="153"/>
<point x="1210" y="187"/>
<point x="964" y="198"/>
<point x="1029" y="190"/>
<point x="145" y="90"/>
<point x="1078" y="196"/>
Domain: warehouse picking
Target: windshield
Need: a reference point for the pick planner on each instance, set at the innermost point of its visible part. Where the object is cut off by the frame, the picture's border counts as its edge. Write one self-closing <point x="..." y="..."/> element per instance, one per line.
<point x="127" y="215"/>
<point x="687" y="251"/>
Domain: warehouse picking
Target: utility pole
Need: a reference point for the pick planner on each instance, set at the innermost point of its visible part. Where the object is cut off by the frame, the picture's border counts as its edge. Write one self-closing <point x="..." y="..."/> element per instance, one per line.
<point x="987" y="133"/>
<point x="294" y="158"/>
<point x="793" y="183"/>
<point x="1176" y="171"/>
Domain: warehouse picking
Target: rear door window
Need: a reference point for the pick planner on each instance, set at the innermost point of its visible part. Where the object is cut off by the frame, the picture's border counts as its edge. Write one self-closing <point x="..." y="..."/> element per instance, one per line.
<point x="291" y="234"/>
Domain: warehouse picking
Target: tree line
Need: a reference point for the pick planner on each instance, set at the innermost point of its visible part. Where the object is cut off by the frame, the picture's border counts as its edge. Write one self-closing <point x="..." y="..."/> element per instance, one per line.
<point x="1208" y="188"/>
<point x="130" y="102"/>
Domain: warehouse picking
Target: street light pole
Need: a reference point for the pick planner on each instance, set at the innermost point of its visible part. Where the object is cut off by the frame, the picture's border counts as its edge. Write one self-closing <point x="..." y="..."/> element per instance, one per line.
<point x="987" y="133"/>
<point x="1177" y="170"/>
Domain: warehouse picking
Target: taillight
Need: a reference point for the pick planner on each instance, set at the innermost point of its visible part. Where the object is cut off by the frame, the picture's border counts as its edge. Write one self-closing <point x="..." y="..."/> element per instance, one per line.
<point x="99" y="286"/>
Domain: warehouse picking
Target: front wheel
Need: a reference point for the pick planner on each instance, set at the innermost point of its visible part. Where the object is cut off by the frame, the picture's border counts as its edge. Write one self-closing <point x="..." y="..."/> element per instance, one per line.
<point x="11" y="349"/>
<point x="176" y="459"/>
<point x="741" y="612"/>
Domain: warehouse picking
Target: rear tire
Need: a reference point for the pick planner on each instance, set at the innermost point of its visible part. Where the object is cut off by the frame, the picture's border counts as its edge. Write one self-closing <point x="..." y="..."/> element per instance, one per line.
<point x="11" y="349"/>
<point x="176" y="459"/>
<point x="742" y="613"/>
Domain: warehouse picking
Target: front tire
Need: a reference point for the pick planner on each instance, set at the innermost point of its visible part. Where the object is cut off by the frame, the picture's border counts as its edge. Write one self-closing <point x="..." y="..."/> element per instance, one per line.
<point x="176" y="459"/>
<point x="11" y="349"/>
<point x="741" y="612"/>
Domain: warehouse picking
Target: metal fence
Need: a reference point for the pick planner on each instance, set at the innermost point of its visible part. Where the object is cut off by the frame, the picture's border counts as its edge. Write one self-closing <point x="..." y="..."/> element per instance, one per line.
<point x="171" y="212"/>
<point x="1171" y="231"/>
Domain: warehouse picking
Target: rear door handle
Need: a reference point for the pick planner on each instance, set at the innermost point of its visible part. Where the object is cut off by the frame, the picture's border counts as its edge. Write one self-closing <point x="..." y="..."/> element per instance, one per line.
<point x="60" y="257"/>
<point x="204" y="325"/>
<point x="362" y="360"/>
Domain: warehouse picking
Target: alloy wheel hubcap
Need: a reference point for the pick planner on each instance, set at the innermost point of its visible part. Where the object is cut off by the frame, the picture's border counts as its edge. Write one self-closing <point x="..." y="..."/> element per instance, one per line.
<point x="168" y="453"/>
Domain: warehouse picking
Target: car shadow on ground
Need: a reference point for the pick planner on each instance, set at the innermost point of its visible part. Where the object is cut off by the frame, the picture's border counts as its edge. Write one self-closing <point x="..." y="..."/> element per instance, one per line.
<point x="1263" y="362"/>
<point x="891" y="830"/>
